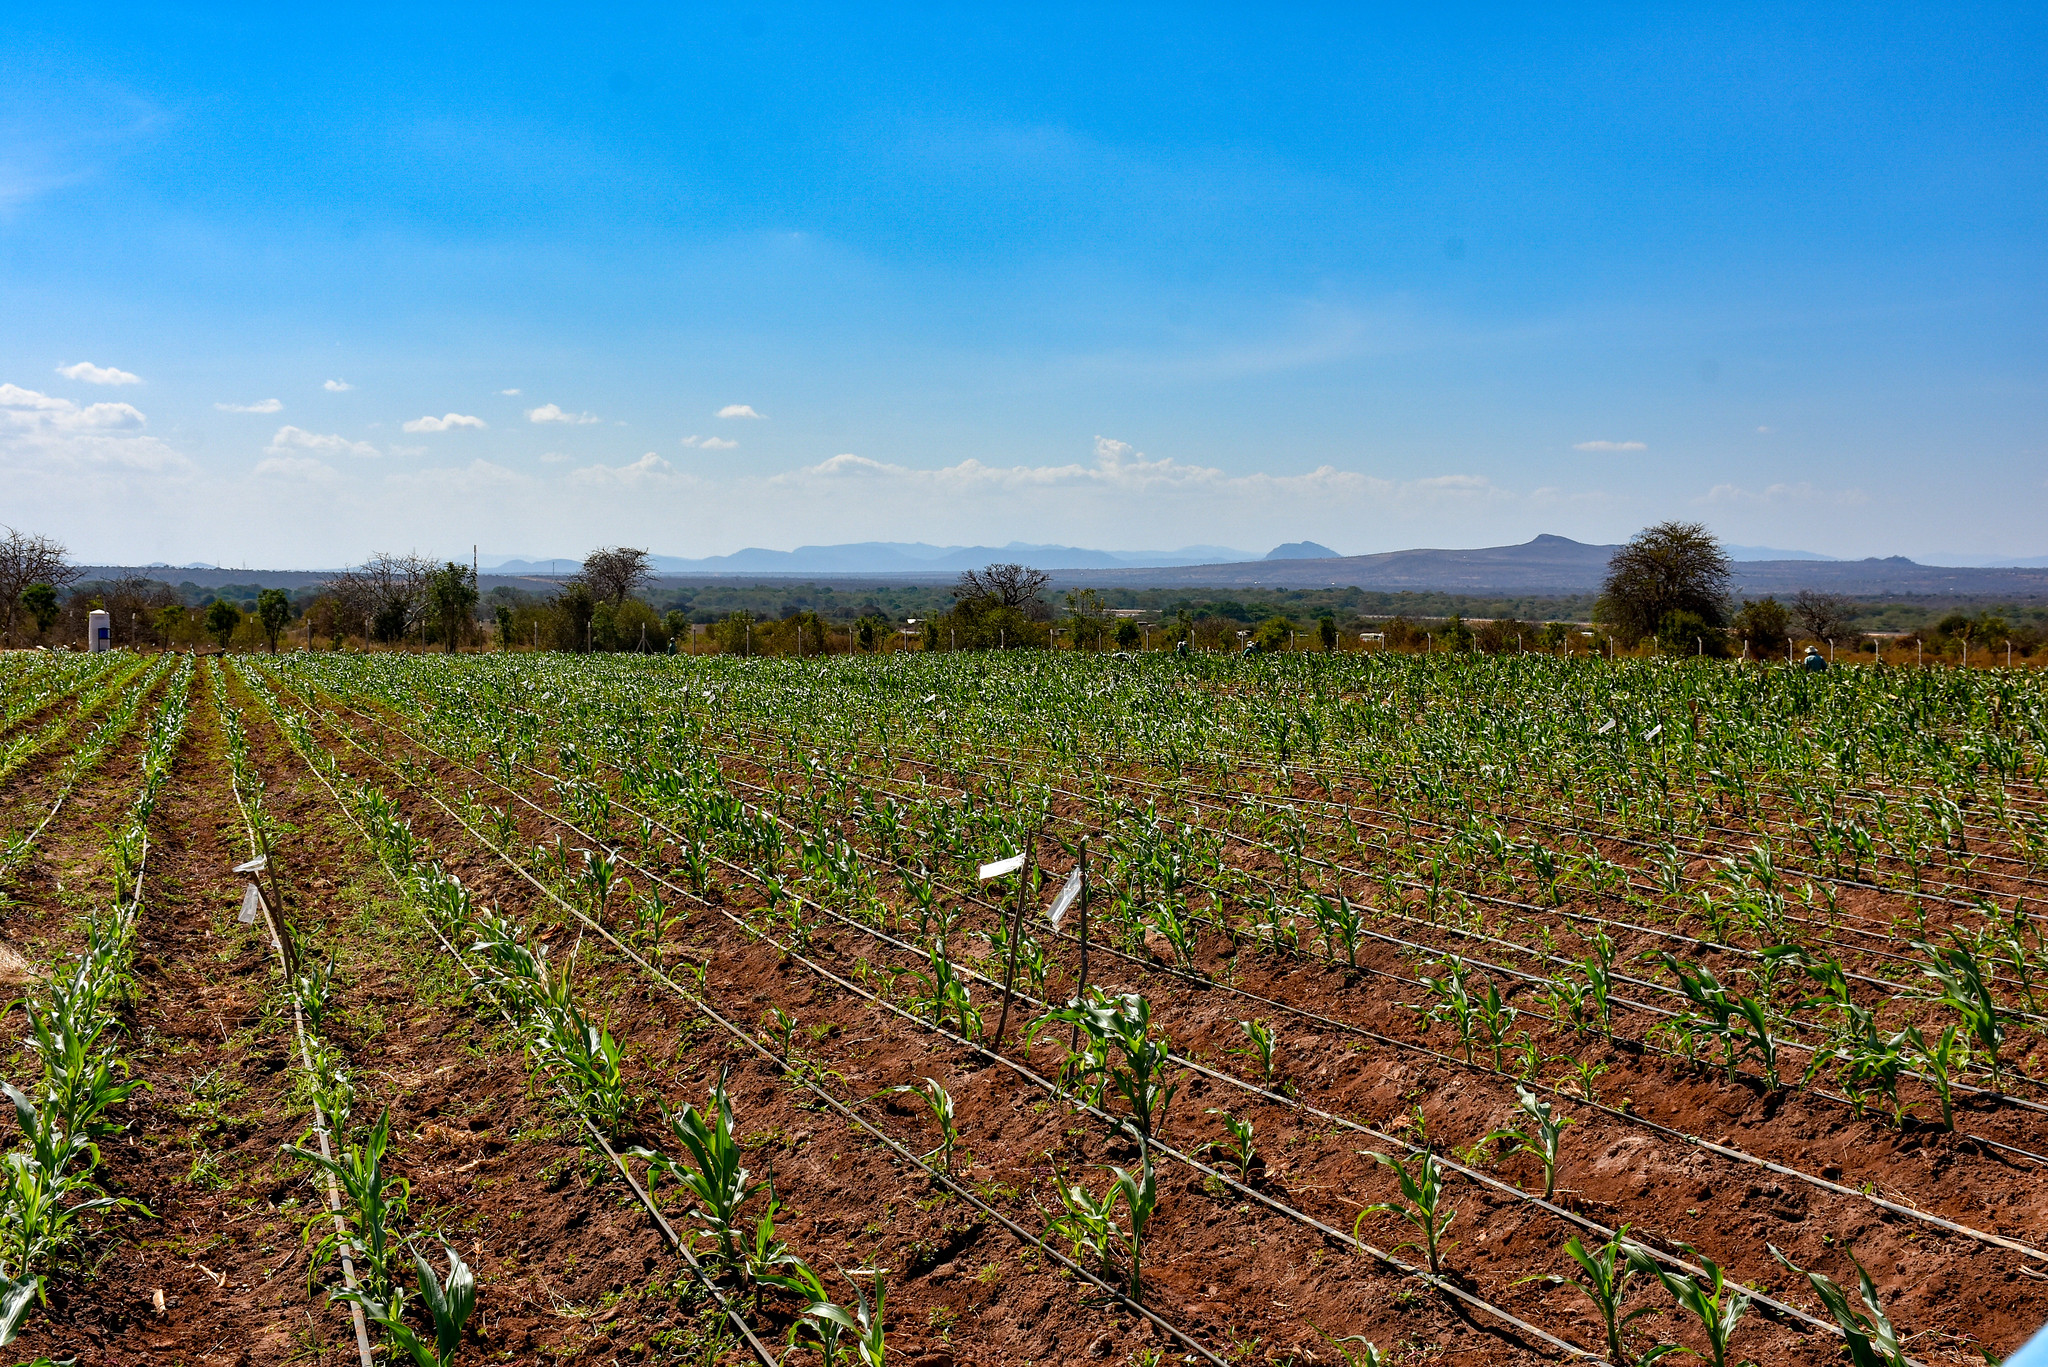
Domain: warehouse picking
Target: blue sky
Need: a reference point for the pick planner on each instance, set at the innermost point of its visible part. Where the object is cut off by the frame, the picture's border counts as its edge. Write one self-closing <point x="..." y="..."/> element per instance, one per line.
<point x="1138" y="278"/>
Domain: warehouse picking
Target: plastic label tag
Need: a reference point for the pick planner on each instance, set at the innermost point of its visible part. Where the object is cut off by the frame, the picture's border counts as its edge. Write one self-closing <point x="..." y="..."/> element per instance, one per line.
<point x="1001" y="867"/>
<point x="251" y="900"/>
<point x="1066" y="898"/>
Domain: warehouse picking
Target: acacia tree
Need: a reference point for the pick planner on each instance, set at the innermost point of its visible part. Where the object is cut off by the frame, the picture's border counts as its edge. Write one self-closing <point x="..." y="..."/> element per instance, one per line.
<point x="1671" y="567"/>
<point x="27" y="558"/>
<point x="614" y="572"/>
<point x="1008" y="586"/>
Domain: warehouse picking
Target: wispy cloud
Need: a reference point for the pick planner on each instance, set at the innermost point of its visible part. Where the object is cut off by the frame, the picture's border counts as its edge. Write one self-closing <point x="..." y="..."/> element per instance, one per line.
<point x="303" y="469"/>
<point x="1609" y="446"/>
<point x="650" y="471"/>
<point x="709" y="443"/>
<point x="337" y="386"/>
<point x="549" y="412"/>
<point x="28" y="409"/>
<point x="738" y="410"/>
<point x="89" y="373"/>
<point x="260" y="406"/>
<point x="446" y="423"/>
<point x="293" y="440"/>
<point x="1778" y="495"/>
<point x="510" y="393"/>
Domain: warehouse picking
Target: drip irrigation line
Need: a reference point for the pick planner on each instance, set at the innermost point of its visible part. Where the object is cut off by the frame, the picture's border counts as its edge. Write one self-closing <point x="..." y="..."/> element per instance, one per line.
<point x="320" y="1127"/>
<point x="1248" y="1192"/>
<point x="1516" y="947"/>
<point x="1478" y="1178"/>
<point x="937" y="1176"/>
<point x="1724" y="1150"/>
<point x="668" y="1232"/>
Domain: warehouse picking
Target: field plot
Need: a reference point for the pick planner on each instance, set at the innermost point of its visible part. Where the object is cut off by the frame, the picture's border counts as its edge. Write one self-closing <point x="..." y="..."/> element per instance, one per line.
<point x="1411" y="1009"/>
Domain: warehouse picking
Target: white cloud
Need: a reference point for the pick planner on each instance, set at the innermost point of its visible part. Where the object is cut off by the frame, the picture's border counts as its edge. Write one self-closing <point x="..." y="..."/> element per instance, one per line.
<point x="1609" y="446"/>
<point x="29" y="409"/>
<point x="738" y="410"/>
<point x="97" y="374"/>
<point x="337" y="386"/>
<point x="510" y="393"/>
<point x="290" y="440"/>
<point x="548" y="412"/>
<point x="554" y="458"/>
<point x="52" y="442"/>
<point x="1766" y="431"/>
<point x="650" y="471"/>
<point x="14" y="396"/>
<point x="305" y="469"/>
<point x="1126" y="474"/>
<point x="709" y="443"/>
<point x="451" y="421"/>
<point x="260" y="406"/>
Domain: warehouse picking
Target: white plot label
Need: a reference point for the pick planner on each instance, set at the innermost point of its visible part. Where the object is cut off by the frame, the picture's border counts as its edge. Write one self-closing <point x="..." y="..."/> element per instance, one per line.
<point x="1068" y="893"/>
<point x="251" y="900"/>
<point x="1001" y="867"/>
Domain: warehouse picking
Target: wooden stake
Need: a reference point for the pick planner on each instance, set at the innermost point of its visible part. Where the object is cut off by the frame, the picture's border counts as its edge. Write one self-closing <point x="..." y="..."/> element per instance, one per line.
<point x="1016" y="933"/>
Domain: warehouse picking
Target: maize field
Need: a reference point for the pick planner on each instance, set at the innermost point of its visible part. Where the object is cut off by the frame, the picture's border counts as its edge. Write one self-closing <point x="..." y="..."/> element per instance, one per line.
<point x="1397" y="1009"/>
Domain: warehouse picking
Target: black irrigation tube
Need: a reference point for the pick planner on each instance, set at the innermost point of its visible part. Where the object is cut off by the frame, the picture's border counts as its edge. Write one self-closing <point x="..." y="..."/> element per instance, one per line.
<point x="1472" y="1175"/>
<point x="943" y="1179"/>
<point x="1515" y="947"/>
<point x="761" y="1352"/>
<point x="1981" y="1236"/>
<point x="1910" y="1212"/>
<point x="320" y="1125"/>
<point x="1021" y="1070"/>
<point x="1201" y="981"/>
<point x="1524" y="907"/>
<point x="21" y="848"/>
<point x="1294" y="806"/>
<point x="1730" y="831"/>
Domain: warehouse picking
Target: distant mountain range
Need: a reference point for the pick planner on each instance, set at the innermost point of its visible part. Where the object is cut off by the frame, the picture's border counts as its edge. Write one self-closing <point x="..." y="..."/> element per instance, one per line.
<point x="1543" y="566"/>
<point x="900" y="557"/>
<point x="1559" y="565"/>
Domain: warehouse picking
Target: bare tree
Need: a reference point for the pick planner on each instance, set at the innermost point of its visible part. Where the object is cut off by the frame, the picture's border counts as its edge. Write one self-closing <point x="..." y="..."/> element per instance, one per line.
<point x="1824" y="616"/>
<point x="614" y="572"/>
<point x="387" y="593"/>
<point x="1010" y="586"/>
<point x="27" y="558"/>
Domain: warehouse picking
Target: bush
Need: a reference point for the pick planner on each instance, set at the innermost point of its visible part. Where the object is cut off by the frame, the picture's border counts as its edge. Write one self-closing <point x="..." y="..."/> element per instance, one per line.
<point x="1766" y="624"/>
<point x="1687" y="633"/>
<point x="221" y="621"/>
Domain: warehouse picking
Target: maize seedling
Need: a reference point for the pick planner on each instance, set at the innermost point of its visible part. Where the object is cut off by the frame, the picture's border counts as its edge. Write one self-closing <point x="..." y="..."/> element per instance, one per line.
<point x="1964" y="990"/>
<point x="717" y="1179"/>
<point x="1717" y="1316"/>
<point x="1541" y="1139"/>
<point x="374" y="1200"/>
<point x="940" y="1103"/>
<point x="1237" y="1147"/>
<point x="1265" y="1039"/>
<point x="827" y="1320"/>
<point x="1124" y="1022"/>
<point x="1871" y="1339"/>
<point x="1422" y="1205"/>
